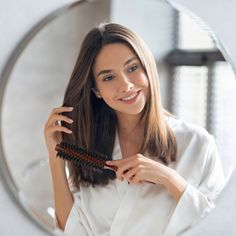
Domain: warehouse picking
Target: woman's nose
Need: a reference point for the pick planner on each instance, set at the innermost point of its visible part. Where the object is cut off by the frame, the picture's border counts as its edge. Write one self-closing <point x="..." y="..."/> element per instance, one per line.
<point x="125" y="84"/>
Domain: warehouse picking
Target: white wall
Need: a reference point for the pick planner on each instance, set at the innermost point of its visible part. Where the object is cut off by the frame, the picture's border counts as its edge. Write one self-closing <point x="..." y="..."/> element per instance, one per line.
<point x="26" y="13"/>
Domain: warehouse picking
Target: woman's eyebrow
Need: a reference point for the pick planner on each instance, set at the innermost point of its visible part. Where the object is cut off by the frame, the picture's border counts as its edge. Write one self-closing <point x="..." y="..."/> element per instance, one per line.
<point x="106" y="71"/>
<point x="130" y="60"/>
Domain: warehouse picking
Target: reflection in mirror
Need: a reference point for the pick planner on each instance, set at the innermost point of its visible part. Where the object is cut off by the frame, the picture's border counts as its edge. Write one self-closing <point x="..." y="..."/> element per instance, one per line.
<point x="202" y="82"/>
<point x="197" y="85"/>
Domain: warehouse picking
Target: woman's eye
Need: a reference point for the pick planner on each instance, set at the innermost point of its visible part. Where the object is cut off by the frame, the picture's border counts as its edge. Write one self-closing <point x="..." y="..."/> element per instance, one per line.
<point x="133" y="68"/>
<point x="108" y="78"/>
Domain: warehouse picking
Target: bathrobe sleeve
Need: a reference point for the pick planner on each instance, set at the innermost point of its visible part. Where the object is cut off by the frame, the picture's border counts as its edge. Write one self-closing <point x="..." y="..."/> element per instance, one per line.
<point x="74" y="224"/>
<point x="198" y="199"/>
<point x="56" y="229"/>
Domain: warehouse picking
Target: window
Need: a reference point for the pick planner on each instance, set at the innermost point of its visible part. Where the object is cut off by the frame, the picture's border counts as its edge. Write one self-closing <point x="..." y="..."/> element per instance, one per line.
<point x="204" y="86"/>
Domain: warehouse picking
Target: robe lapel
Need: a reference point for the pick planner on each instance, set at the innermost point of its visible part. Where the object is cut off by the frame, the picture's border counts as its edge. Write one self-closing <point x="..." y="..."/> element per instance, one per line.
<point x="124" y="212"/>
<point x="129" y="195"/>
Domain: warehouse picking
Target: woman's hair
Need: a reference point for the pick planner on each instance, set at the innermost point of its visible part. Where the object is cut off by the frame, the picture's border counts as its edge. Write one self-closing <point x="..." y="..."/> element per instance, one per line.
<point x="95" y="123"/>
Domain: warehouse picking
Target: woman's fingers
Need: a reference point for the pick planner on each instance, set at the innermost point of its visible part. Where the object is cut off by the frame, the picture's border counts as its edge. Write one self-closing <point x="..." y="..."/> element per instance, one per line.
<point x="58" y="128"/>
<point x="122" y="161"/>
<point x="62" y="109"/>
<point x="125" y="168"/>
<point x="130" y="173"/>
<point x="56" y="117"/>
<point x="53" y="123"/>
<point x="53" y="129"/>
<point x="124" y="165"/>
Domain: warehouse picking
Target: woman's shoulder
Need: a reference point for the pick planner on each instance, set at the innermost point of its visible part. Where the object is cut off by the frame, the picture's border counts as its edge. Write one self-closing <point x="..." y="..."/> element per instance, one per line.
<point x="196" y="146"/>
<point x="187" y="131"/>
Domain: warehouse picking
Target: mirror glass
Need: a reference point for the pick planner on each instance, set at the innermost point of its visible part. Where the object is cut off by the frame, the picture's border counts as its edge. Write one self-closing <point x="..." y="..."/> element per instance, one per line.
<point x="197" y="84"/>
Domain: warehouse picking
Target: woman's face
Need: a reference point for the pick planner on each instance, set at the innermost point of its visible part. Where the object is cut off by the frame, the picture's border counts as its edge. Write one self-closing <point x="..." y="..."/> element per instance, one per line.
<point x="120" y="79"/>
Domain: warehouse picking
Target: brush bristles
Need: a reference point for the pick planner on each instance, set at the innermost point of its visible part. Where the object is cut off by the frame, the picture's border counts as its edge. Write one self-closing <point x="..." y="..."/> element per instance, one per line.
<point x="80" y="156"/>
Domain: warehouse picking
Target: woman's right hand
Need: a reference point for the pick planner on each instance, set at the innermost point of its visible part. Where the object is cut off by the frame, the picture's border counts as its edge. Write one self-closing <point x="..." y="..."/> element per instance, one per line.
<point x="53" y="129"/>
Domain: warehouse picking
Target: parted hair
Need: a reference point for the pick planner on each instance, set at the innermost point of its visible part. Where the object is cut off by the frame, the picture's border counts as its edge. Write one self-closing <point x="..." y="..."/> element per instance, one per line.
<point x="95" y="123"/>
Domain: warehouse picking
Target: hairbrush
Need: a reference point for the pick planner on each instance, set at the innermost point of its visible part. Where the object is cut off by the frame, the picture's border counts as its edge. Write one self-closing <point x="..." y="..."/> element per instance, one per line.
<point x="83" y="157"/>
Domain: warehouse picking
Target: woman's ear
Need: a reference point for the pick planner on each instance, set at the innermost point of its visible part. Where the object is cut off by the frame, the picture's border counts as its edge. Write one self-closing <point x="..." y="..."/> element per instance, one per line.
<point x="97" y="93"/>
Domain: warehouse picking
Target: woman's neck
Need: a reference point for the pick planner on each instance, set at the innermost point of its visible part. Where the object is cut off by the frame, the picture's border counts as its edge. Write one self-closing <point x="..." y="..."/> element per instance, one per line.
<point x="129" y="125"/>
<point x="130" y="132"/>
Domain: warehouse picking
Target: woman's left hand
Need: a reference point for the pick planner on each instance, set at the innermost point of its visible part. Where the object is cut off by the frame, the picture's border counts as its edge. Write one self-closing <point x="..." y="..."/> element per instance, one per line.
<point x="137" y="169"/>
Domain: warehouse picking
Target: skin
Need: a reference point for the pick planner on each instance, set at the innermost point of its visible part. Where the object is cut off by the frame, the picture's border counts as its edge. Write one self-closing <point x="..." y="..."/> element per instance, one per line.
<point x="118" y="77"/>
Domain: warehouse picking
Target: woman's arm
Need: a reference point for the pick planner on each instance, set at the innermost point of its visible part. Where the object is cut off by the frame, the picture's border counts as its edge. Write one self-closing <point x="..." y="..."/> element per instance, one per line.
<point x="52" y="132"/>
<point x="63" y="198"/>
<point x="175" y="184"/>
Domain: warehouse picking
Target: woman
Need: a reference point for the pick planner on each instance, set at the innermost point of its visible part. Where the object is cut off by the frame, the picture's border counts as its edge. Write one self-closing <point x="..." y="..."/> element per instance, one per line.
<point x="168" y="171"/>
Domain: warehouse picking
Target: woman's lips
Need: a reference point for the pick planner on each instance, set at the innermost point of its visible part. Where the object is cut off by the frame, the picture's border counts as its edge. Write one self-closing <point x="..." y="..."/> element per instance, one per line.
<point x="130" y="98"/>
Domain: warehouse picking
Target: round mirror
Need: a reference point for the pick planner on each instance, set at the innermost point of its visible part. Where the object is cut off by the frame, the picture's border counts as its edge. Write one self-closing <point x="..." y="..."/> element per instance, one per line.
<point x="197" y="85"/>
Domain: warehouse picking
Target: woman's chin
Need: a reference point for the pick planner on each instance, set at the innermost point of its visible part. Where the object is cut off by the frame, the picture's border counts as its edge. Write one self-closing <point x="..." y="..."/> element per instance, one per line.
<point x="132" y="112"/>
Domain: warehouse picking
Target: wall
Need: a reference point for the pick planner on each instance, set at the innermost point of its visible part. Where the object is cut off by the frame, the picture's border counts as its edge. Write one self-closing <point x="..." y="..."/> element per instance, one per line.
<point x="25" y="14"/>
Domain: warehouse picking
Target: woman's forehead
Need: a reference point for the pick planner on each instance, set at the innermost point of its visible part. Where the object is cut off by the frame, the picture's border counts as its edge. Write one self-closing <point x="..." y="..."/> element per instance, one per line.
<point x="113" y="55"/>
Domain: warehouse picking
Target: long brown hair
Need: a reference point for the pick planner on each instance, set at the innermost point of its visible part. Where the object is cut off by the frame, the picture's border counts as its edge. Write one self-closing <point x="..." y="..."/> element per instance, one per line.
<point x="95" y="123"/>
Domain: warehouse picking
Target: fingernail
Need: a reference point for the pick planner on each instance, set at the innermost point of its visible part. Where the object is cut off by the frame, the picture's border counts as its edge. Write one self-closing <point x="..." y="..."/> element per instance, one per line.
<point x="71" y="121"/>
<point x="108" y="162"/>
<point x="70" y="131"/>
<point x="107" y="167"/>
<point x="71" y="108"/>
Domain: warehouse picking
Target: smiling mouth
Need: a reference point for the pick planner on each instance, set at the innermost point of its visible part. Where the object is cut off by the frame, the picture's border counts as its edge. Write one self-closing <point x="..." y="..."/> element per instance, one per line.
<point x="130" y="97"/>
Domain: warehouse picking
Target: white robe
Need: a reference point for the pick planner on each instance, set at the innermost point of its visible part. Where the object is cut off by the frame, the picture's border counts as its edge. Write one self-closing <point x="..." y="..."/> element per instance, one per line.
<point x="122" y="209"/>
